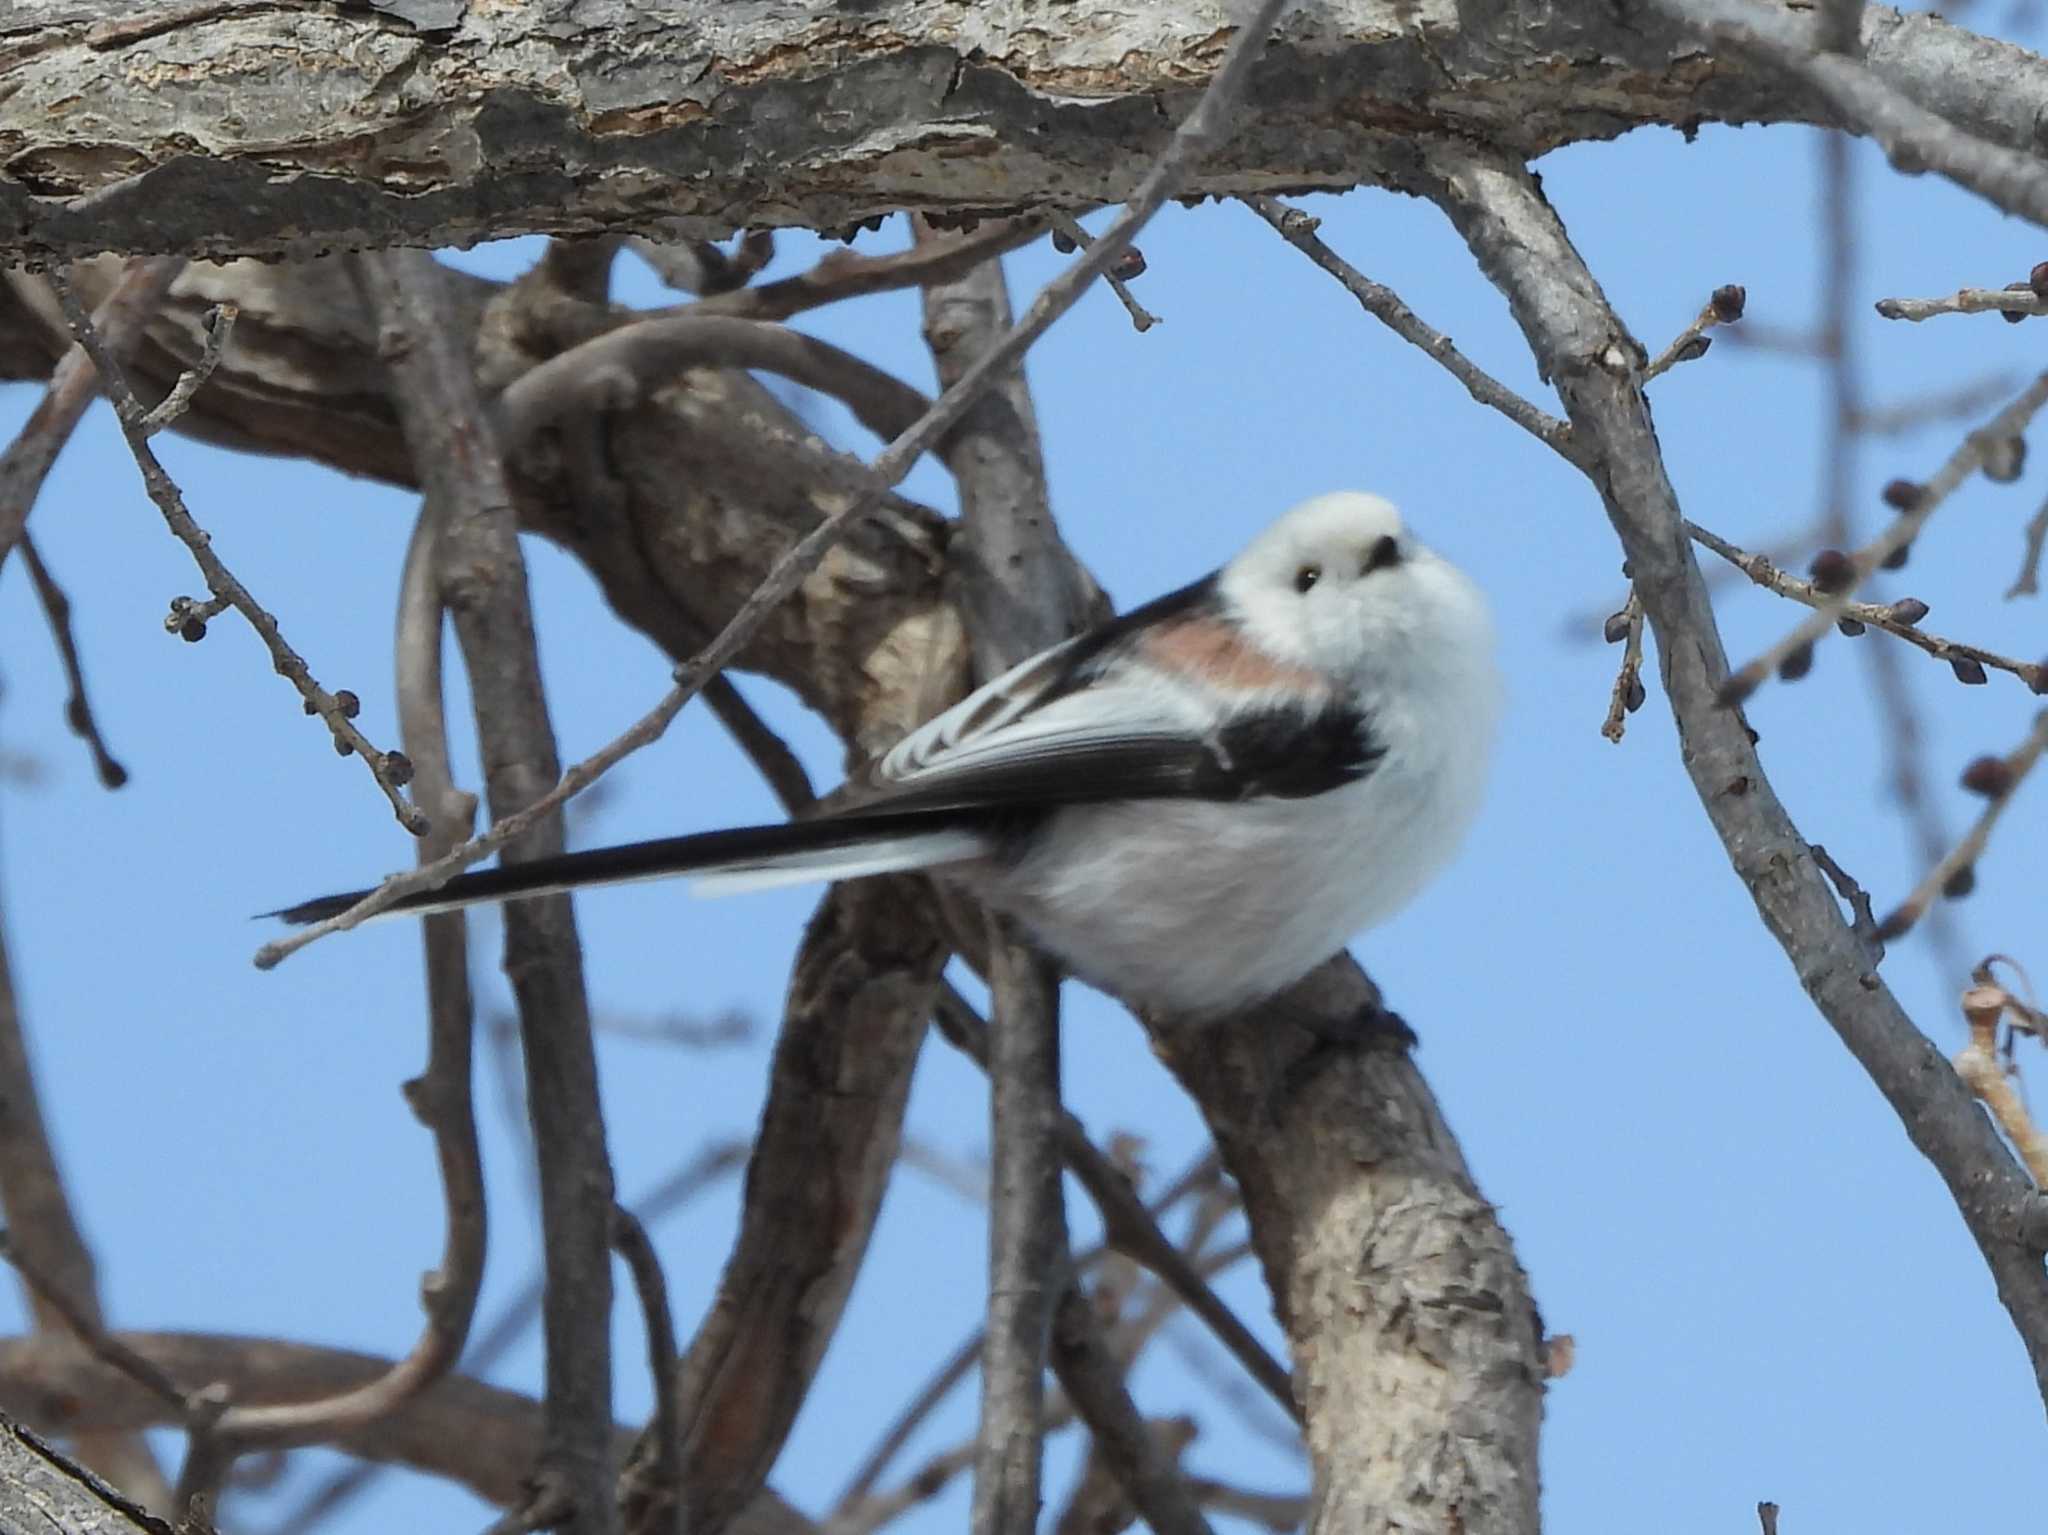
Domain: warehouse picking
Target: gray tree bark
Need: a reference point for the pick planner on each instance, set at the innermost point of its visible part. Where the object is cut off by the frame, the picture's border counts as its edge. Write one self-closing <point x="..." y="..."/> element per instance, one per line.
<point x="272" y="130"/>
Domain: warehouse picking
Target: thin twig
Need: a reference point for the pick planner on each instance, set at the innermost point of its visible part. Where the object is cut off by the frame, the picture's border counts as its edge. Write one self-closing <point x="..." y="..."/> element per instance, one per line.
<point x="1990" y="1078"/>
<point x="1627" y="694"/>
<point x="78" y="707"/>
<point x="86" y="1328"/>
<point x="847" y="274"/>
<point x="629" y="1237"/>
<point x="1131" y="1229"/>
<point x="218" y="325"/>
<point x="612" y="371"/>
<point x="1967" y="458"/>
<point x="1193" y="139"/>
<point x="1147" y="1470"/>
<point x="219" y="579"/>
<point x="1964" y="855"/>
<point x="1383" y="304"/>
<point x="1201" y="1173"/>
<point x="1910" y="415"/>
<point x="74" y="381"/>
<point x="1724" y="308"/>
<point x="1142" y="319"/>
<point x="1863" y="921"/>
<point x="441" y="1097"/>
<point x="1277" y="1511"/>
<point x="2015" y="300"/>
<point x="1894" y="618"/>
<point x="2027" y="582"/>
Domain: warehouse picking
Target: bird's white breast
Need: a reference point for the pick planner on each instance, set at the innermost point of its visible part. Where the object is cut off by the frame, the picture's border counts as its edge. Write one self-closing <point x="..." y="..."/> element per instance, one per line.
<point x="1201" y="907"/>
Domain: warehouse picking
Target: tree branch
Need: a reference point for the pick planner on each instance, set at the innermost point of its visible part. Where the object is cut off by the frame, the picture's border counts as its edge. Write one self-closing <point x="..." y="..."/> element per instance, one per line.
<point x="227" y="590"/>
<point x="1523" y="248"/>
<point x="483" y="582"/>
<point x="74" y="383"/>
<point x="563" y="126"/>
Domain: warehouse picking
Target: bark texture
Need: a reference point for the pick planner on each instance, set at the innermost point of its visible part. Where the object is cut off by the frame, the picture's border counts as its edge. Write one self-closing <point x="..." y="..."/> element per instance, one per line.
<point x="273" y="129"/>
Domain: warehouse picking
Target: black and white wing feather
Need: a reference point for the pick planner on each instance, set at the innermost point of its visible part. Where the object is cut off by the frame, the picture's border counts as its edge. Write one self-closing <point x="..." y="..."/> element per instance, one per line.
<point x="1162" y="702"/>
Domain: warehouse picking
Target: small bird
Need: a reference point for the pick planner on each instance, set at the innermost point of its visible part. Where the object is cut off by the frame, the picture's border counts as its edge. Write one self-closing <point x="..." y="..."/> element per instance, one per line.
<point x="1190" y="806"/>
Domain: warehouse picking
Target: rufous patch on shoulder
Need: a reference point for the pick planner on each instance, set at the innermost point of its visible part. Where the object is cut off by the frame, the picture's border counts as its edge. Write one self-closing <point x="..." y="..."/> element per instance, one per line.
<point x="1217" y="653"/>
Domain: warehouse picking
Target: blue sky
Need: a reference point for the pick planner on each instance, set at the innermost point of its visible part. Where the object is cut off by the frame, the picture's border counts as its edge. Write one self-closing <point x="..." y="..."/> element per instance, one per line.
<point x="1771" y="1294"/>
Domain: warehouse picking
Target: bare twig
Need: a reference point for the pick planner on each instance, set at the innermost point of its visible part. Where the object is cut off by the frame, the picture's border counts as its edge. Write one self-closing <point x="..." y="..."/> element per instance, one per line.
<point x="874" y="1510"/>
<point x="56" y="1264"/>
<point x="1915" y="138"/>
<point x="1142" y="319"/>
<point x="1093" y="1377"/>
<point x="2010" y="772"/>
<point x="78" y="707"/>
<point x="85" y="1326"/>
<point x="700" y="266"/>
<point x="665" y="1466"/>
<point x="2027" y="582"/>
<point x="1383" y="304"/>
<point x="1131" y="1228"/>
<point x="1193" y="139"/>
<point x="482" y="579"/>
<point x="710" y="1164"/>
<point x="847" y="275"/>
<point x="1863" y="921"/>
<point x="1894" y="618"/>
<point x="218" y="325"/>
<point x="951" y="1371"/>
<point x="1990" y="1078"/>
<point x="219" y="579"/>
<point x="1909" y="415"/>
<point x="1921" y="503"/>
<point x="612" y="371"/>
<point x="1202" y="1173"/>
<point x="120" y="320"/>
<point x="1627" y="694"/>
<point x="1277" y="1511"/>
<point x="769" y="753"/>
<point x="2016" y="300"/>
<point x="1724" y="308"/>
<point x="440" y="1097"/>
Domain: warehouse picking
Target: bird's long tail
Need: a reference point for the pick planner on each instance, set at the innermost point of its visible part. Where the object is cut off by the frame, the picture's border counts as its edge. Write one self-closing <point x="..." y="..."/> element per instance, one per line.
<point x="742" y="858"/>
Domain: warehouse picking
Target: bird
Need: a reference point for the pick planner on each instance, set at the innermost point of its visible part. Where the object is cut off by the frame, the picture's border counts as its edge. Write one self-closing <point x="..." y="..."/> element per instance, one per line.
<point x="1189" y="806"/>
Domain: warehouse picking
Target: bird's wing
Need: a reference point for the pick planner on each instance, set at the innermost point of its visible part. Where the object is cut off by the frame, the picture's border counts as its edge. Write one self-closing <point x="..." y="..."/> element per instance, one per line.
<point x="1084" y="722"/>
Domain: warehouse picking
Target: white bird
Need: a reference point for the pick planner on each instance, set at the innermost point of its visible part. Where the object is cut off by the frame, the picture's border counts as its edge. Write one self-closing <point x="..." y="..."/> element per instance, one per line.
<point x="1191" y="806"/>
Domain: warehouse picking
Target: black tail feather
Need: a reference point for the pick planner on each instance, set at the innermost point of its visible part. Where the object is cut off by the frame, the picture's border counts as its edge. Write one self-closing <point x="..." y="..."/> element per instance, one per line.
<point x="731" y="848"/>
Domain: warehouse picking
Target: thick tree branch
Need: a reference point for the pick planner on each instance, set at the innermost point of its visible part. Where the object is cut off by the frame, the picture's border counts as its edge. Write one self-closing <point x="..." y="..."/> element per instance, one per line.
<point x="1021" y="593"/>
<point x="859" y="997"/>
<point x="483" y="582"/>
<point x="1579" y="342"/>
<point x="1916" y="139"/>
<point x="549" y="117"/>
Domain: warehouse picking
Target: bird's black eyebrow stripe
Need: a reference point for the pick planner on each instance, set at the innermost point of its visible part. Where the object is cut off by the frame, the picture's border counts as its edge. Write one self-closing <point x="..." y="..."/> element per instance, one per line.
<point x="1198" y="599"/>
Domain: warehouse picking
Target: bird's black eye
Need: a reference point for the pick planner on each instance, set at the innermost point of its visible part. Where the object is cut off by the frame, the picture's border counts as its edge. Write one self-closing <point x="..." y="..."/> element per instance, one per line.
<point x="1385" y="553"/>
<point x="1307" y="577"/>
